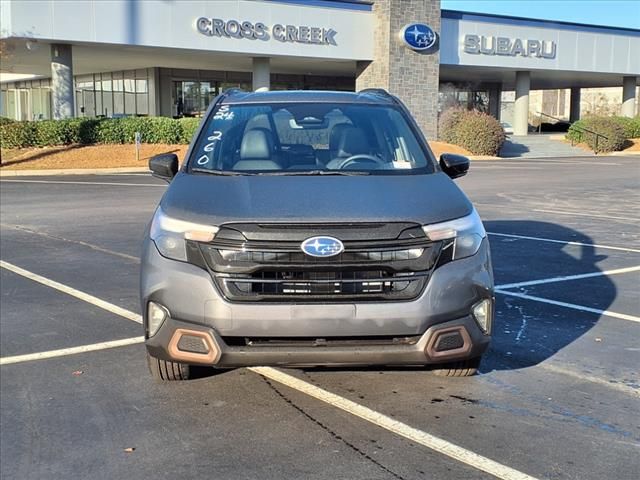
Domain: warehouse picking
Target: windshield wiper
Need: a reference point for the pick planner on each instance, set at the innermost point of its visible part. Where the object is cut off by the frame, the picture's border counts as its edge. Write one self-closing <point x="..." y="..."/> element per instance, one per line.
<point x="220" y="172"/>
<point x="317" y="172"/>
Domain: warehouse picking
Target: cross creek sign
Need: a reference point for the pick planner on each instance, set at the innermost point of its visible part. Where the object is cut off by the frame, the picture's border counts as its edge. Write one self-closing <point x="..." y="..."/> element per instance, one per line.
<point x="481" y="45"/>
<point x="216" y="27"/>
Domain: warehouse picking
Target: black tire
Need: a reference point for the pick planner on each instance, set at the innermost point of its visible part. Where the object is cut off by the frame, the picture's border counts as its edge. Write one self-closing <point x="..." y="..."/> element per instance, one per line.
<point x="165" y="371"/>
<point x="461" y="368"/>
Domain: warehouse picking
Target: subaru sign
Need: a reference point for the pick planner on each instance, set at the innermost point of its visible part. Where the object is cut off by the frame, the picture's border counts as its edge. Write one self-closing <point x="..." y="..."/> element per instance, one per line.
<point x="322" y="246"/>
<point x="418" y="36"/>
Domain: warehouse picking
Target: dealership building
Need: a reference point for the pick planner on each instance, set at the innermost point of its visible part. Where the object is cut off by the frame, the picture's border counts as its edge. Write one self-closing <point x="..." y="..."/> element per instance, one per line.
<point x="63" y="58"/>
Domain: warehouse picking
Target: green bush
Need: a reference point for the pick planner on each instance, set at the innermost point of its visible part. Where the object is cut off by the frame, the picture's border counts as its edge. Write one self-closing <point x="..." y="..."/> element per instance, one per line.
<point x="575" y="132"/>
<point x="17" y="134"/>
<point x="5" y="120"/>
<point x="613" y="133"/>
<point x="631" y="126"/>
<point x="110" y="131"/>
<point x="188" y="129"/>
<point x="93" y="130"/>
<point x="83" y="130"/>
<point x="478" y="132"/>
<point x="163" y="130"/>
<point x="613" y="138"/>
<point x="51" y="132"/>
<point x="448" y="124"/>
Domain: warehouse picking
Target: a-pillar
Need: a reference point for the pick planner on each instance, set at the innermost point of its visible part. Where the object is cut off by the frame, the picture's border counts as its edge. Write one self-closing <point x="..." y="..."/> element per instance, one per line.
<point x="61" y="81"/>
<point x="261" y="74"/>
<point x="574" y="104"/>
<point x="628" y="96"/>
<point x="521" y="108"/>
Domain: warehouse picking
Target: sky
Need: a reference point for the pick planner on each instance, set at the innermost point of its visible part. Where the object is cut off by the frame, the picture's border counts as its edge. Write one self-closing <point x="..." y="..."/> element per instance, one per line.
<point x="615" y="13"/>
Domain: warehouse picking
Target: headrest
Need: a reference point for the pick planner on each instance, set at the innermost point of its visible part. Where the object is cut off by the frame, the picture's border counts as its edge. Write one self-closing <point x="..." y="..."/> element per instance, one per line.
<point x="352" y="141"/>
<point x="257" y="144"/>
<point x="336" y="135"/>
<point x="242" y="165"/>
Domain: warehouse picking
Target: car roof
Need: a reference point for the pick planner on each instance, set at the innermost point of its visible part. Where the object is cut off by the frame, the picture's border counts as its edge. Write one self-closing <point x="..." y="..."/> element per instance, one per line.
<point x="369" y="96"/>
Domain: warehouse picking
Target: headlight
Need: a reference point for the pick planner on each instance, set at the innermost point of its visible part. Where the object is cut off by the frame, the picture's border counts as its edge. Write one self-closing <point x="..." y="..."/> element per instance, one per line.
<point x="466" y="232"/>
<point x="169" y="235"/>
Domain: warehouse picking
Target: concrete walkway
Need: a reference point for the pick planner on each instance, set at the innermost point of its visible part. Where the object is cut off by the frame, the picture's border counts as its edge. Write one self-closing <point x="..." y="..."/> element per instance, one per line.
<point x="539" y="145"/>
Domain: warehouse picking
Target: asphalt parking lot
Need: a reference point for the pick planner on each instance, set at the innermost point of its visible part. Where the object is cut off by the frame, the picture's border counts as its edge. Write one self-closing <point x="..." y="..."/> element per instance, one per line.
<point x="558" y="396"/>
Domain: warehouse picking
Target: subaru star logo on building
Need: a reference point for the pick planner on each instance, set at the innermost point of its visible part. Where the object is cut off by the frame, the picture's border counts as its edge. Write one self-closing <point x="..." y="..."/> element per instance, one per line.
<point x="322" y="246"/>
<point x="418" y="36"/>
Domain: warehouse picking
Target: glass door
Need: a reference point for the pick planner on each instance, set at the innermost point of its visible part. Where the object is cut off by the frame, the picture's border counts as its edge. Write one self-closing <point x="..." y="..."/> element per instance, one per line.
<point x="191" y="98"/>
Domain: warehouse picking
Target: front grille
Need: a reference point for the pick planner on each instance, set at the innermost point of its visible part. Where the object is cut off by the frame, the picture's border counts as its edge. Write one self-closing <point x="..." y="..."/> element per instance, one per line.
<point x="278" y="271"/>
<point x="351" y="284"/>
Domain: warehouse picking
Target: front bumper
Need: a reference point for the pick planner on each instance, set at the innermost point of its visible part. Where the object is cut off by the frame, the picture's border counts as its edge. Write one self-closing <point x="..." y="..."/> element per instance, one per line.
<point x="195" y="304"/>
<point x="166" y="345"/>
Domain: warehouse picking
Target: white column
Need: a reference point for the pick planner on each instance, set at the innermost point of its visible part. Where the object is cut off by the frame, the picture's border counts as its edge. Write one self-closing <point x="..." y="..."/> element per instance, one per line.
<point x="574" y="104"/>
<point x="261" y="74"/>
<point x="521" y="108"/>
<point x="628" y="97"/>
<point x="61" y="82"/>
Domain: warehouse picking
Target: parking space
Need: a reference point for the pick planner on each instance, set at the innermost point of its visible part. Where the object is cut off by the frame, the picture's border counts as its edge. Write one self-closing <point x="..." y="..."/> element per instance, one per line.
<point x="558" y="395"/>
<point x="53" y="320"/>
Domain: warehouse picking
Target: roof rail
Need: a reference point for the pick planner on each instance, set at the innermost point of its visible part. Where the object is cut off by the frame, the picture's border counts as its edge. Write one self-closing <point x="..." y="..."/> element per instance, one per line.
<point x="378" y="91"/>
<point x="232" y="90"/>
<point x="381" y="92"/>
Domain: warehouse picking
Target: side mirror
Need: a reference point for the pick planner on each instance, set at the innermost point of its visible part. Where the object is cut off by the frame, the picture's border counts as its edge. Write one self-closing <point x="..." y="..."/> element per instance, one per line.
<point x="454" y="165"/>
<point x="164" y="166"/>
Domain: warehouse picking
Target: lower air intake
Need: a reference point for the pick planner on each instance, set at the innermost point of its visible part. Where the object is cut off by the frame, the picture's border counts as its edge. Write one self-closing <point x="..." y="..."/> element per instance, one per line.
<point x="449" y="341"/>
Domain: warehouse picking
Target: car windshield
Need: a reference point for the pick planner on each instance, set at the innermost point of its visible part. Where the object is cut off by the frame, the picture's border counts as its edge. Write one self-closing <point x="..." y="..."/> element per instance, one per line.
<point x="308" y="139"/>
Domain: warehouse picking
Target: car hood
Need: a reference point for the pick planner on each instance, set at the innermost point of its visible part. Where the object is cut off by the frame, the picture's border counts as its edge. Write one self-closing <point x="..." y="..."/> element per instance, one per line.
<point x="215" y="200"/>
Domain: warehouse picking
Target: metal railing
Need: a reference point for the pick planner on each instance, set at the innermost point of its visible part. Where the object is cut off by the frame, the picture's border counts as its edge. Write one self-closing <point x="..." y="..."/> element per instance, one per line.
<point x="578" y="128"/>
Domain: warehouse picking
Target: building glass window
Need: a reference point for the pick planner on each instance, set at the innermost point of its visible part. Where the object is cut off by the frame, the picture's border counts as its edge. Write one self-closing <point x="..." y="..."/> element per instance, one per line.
<point x="23" y="104"/>
<point x="11" y="104"/>
<point x="40" y="103"/>
<point x="129" y="93"/>
<point x="85" y="96"/>
<point x="118" y="94"/>
<point x="97" y="82"/>
<point x="107" y="95"/>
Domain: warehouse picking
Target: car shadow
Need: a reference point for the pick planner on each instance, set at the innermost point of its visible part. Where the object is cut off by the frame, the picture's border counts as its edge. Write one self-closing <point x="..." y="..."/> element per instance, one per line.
<point x="528" y="332"/>
<point x="512" y="149"/>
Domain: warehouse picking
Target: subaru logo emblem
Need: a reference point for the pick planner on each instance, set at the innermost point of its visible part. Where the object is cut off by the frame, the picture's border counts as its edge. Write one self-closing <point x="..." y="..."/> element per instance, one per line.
<point x="322" y="246"/>
<point x="418" y="36"/>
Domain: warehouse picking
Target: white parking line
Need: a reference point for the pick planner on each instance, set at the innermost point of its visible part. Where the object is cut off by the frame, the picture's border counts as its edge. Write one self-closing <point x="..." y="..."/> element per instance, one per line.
<point x="564" y="212"/>
<point x="582" y="308"/>
<point x="432" y="442"/>
<point x="20" y="228"/>
<point x="109" y="307"/>
<point x="418" y="436"/>
<point x="63" y="352"/>
<point x="85" y="183"/>
<point x="567" y="278"/>
<point x="563" y="242"/>
<point x="621" y="387"/>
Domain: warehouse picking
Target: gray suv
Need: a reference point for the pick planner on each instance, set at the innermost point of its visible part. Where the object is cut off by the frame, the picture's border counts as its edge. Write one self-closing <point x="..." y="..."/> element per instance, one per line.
<point x="314" y="228"/>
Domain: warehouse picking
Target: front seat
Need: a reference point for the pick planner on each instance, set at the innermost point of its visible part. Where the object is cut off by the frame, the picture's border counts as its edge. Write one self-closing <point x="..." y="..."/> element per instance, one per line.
<point x="335" y="137"/>
<point x="256" y="151"/>
<point x="350" y="141"/>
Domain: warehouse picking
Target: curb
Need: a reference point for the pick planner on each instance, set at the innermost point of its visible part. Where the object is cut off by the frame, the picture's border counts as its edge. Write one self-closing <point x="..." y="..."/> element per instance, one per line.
<point x="72" y="171"/>
<point x="482" y="158"/>
<point x="623" y="154"/>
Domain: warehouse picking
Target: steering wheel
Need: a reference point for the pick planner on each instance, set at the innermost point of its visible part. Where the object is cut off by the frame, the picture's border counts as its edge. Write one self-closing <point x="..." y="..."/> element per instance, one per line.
<point x="360" y="156"/>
